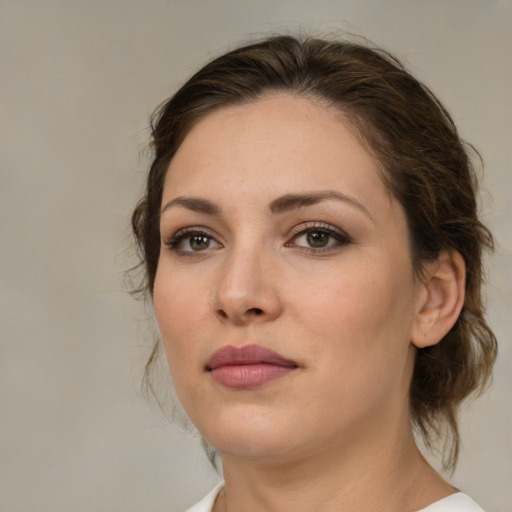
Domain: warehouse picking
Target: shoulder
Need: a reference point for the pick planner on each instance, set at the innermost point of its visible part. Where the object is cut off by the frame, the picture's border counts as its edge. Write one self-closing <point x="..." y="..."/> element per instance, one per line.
<point x="458" y="502"/>
<point x="206" y="504"/>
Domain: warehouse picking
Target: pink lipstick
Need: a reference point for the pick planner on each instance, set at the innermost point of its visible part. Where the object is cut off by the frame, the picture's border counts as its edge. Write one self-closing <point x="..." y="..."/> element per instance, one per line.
<point x="248" y="366"/>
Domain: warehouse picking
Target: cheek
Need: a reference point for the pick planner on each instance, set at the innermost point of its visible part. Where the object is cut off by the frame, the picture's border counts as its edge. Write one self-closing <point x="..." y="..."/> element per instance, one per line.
<point x="179" y="308"/>
<point x="366" y="315"/>
<point x="348" y="300"/>
<point x="361" y="349"/>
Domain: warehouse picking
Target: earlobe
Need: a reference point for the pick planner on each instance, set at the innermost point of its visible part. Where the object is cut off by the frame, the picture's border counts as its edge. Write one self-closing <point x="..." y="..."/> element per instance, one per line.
<point x="442" y="299"/>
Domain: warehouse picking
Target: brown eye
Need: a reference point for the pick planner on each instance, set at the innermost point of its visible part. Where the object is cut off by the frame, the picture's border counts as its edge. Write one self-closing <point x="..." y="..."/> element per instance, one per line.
<point x="318" y="238"/>
<point x="191" y="241"/>
<point x="199" y="242"/>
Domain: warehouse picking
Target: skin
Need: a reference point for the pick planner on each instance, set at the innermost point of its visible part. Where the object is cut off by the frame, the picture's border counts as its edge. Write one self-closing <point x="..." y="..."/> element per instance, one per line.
<point x="349" y="311"/>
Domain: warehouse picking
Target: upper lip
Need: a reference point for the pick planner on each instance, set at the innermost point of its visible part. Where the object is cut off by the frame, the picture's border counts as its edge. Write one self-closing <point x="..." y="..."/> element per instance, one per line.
<point x="247" y="354"/>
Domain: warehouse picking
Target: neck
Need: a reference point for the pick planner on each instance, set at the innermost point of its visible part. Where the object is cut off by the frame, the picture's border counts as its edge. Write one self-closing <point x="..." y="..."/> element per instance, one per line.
<point x="356" y="475"/>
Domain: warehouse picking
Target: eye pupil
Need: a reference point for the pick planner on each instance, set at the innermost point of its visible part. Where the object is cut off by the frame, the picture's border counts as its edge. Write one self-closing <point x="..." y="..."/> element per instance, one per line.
<point x="199" y="242"/>
<point x="317" y="239"/>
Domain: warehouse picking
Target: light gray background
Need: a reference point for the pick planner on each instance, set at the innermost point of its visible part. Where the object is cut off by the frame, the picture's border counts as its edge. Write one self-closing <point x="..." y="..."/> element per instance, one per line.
<point x="78" y="81"/>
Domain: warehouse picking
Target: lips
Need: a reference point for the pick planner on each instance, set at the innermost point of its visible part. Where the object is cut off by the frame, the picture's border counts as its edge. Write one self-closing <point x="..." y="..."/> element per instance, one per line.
<point x="248" y="366"/>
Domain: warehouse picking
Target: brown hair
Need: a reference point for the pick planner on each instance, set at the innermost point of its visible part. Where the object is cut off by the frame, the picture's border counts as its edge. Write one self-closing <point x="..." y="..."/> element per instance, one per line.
<point x="424" y="164"/>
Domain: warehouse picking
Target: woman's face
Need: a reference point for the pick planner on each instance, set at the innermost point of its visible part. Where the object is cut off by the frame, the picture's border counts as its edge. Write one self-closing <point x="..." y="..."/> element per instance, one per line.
<point x="284" y="293"/>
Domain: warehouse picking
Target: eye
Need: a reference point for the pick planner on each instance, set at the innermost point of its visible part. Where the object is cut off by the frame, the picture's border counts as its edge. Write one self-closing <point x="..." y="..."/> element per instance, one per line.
<point x="192" y="240"/>
<point x="318" y="237"/>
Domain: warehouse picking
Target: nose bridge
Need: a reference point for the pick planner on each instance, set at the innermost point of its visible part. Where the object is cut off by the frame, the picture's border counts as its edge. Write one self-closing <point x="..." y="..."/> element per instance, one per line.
<point x="245" y="288"/>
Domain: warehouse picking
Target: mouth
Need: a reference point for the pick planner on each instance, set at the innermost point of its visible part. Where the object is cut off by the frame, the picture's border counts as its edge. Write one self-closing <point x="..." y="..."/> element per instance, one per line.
<point x="248" y="366"/>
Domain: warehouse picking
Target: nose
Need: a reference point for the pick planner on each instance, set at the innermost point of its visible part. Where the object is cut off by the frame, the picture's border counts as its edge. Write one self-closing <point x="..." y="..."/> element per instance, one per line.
<point x="246" y="290"/>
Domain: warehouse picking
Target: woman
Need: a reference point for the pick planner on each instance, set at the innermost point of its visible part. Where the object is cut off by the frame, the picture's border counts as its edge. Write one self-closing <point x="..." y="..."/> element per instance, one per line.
<point x="312" y="248"/>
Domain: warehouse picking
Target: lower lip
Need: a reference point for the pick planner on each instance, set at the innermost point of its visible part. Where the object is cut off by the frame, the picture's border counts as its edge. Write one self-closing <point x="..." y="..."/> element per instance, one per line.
<point x="249" y="376"/>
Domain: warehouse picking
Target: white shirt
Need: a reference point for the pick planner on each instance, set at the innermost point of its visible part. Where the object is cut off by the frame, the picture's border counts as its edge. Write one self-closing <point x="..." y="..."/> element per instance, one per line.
<point x="457" y="502"/>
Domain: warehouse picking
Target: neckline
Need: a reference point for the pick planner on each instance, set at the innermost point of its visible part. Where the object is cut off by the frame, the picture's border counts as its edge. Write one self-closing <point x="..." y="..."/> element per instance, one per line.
<point x="457" y="498"/>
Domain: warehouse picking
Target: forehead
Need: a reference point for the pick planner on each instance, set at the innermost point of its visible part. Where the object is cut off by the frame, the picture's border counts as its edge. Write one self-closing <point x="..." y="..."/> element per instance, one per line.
<point x="279" y="142"/>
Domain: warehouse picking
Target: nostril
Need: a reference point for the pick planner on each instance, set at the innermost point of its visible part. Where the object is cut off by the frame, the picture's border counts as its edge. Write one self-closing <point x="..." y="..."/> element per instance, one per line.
<point x="239" y="315"/>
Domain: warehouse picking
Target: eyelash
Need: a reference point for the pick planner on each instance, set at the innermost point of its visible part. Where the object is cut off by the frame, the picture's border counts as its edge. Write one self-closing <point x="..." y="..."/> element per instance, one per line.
<point x="340" y="238"/>
<point x="188" y="233"/>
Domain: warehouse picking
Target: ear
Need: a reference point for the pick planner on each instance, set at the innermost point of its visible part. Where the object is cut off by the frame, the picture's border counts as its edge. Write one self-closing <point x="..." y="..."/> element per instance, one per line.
<point x="441" y="299"/>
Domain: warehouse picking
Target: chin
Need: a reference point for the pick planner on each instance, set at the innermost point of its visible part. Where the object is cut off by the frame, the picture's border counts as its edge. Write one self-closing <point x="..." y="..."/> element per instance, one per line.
<point x="261" y="449"/>
<point x="247" y="437"/>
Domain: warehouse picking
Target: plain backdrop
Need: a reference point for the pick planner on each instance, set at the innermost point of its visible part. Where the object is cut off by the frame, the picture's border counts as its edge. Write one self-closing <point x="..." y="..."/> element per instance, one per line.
<point x="78" y="80"/>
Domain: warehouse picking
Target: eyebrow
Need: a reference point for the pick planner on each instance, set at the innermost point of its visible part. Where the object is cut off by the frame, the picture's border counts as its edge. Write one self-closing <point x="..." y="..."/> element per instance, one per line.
<point x="280" y="205"/>
<point x="195" y="204"/>
<point x="293" y="201"/>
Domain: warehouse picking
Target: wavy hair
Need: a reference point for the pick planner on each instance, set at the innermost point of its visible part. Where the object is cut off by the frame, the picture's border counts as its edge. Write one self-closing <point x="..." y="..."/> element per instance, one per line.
<point x="423" y="162"/>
